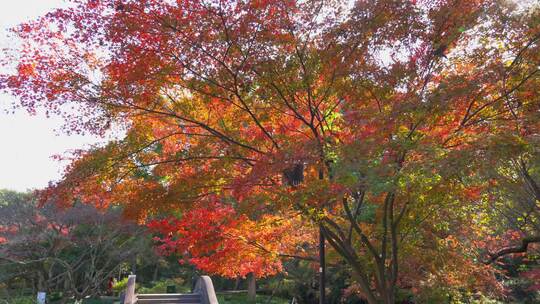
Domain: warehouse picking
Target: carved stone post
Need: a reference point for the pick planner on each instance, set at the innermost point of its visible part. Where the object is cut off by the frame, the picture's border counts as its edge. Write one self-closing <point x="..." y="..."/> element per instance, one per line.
<point x="130" y="290"/>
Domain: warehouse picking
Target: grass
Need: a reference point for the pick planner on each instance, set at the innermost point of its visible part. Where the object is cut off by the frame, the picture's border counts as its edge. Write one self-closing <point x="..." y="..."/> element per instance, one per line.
<point x="242" y="299"/>
<point x="18" y="300"/>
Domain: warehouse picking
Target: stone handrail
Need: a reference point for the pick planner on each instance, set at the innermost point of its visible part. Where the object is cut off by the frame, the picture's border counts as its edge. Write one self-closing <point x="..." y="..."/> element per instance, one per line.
<point x="130" y="296"/>
<point x="205" y="288"/>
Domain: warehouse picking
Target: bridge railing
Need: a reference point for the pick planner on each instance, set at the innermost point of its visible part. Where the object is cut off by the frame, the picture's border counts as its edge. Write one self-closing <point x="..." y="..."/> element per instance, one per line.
<point x="130" y="296"/>
<point x="204" y="287"/>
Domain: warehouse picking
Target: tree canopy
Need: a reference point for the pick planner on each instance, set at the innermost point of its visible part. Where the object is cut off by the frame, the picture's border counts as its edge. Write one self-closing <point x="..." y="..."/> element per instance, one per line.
<point x="390" y="124"/>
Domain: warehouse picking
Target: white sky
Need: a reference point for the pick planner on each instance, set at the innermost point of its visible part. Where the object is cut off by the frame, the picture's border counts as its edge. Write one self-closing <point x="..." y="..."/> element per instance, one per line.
<point x="28" y="142"/>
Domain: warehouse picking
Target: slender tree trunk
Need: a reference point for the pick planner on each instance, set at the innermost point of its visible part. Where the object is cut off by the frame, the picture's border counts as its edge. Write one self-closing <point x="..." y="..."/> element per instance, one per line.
<point x="369" y="295"/>
<point x="237" y="283"/>
<point x="155" y="275"/>
<point x="252" y="288"/>
<point x="134" y="265"/>
<point x="41" y="281"/>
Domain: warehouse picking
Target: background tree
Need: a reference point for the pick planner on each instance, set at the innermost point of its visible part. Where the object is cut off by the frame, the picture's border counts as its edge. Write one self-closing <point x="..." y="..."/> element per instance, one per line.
<point x="75" y="251"/>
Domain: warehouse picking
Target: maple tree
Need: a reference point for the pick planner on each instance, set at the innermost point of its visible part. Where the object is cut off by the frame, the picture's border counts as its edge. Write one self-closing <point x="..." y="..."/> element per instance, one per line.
<point x="219" y="240"/>
<point x="371" y="119"/>
<point x="215" y="236"/>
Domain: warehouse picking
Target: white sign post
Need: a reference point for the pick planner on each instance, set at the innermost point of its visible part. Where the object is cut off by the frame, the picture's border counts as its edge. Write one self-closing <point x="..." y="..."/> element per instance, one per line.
<point x="41" y="296"/>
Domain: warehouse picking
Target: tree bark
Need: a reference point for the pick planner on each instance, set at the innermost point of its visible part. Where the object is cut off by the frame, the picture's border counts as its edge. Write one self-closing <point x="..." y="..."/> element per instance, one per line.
<point x="513" y="249"/>
<point x="155" y="275"/>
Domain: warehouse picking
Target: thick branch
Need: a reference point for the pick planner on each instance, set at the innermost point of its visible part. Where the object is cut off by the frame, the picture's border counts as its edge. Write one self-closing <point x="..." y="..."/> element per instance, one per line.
<point x="513" y="249"/>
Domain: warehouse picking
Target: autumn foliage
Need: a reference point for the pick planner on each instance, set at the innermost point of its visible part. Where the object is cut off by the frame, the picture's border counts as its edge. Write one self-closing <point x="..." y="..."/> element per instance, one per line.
<point x="391" y="114"/>
<point x="217" y="240"/>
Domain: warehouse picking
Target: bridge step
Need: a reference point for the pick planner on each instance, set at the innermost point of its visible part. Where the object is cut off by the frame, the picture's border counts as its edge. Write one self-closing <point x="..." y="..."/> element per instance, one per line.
<point x="168" y="298"/>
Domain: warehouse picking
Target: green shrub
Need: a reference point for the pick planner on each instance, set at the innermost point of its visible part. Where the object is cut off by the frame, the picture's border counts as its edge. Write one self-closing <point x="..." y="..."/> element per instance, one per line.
<point x="242" y="299"/>
<point x="97" y="301"/>
<point x="54" y="296"/>
<point x="120" y="286"/>
<point x="161" y="286"/>
<point x="436" y="295"/>
<point x="19" y="300"/>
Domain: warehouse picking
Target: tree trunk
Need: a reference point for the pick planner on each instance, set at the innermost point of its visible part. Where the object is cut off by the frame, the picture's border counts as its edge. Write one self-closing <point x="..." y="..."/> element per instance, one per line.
<point x="41" y="281"/>
<point x="134" y="265"/>
<point x="155" y="275"/>
<point x="252" y="288"/>
<point x="67" y="283"/>
<point x="237" y="283"/>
